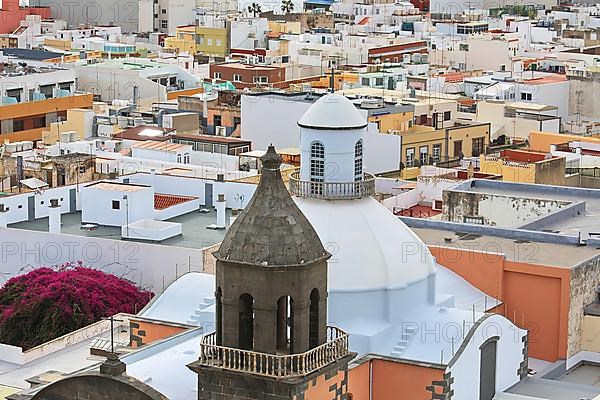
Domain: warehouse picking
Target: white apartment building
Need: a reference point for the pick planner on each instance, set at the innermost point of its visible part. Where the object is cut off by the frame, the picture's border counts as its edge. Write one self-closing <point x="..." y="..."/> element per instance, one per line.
<point x="20" y="84"/>
<point x="164" y="15"/>
<point x="106" y="32"/>
<point x="453" y="7"/>
<point x="248" y="33"/>
<point x="134" y="79"/>
<point x="530" y="87"/>
<point x="517" y="119"/>
<point x="122" y="13"/>
<point x="492" y="52"/>
<point x="283" y="111"/>
<point x="375" y="14"/>
<point x="328" y="49"/>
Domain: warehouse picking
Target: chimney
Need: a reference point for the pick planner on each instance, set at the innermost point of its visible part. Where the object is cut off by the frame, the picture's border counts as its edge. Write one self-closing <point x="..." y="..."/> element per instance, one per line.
<point x="470" y="171"/>
<point x="153" y="178"/>
<point x="3" y="216"/>
<point x="221" y="211"/>
<point x="218" y="187"/>
<point x="54" y="217"/>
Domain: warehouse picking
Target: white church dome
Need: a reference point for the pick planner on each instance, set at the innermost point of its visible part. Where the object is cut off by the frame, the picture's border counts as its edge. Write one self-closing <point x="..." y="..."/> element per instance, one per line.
<point x="371" y="248"/>
<point x="333" y="111"/>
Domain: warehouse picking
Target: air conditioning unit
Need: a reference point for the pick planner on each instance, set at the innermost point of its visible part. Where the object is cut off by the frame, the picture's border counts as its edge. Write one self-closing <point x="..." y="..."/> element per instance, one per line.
<point x="221" y="131"/>
<point x="122" y="122"/>
<point x="27" y="145"/>
<point x="65" y="137"/>
<point x="10" y="147"/>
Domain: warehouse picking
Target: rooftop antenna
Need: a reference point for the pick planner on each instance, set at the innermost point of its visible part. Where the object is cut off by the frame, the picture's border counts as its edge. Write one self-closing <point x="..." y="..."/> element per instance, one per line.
<point x="579" y="94"/>
<point x="332" y="80"/>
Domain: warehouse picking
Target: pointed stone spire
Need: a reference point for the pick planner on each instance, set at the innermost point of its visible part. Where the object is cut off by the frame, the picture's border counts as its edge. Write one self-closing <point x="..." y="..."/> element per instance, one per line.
<point x="271" y="231"/>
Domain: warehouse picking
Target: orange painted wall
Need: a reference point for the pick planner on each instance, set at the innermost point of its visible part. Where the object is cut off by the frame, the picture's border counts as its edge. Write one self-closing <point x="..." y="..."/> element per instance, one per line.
<point x="541" y="141"/>
<point x="482" y="270"/>
<point x="12" y="111"/>
<point x="392" y="381"/>
<point x="149" y="331"/>
<point x="29" y="134"/>
<point x="358" y="381"/>
<point x="186" y="92"/>
<point x="535" y="297"/>
<point x="45" y="106"/>
<point x="318" y="389"/>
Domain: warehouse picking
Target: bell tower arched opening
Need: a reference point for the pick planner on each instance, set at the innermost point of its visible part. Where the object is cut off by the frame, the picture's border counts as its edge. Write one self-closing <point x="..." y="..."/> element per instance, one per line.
<point x="313" y="319"/>
<point x="285" y="325"/>
<point x="219" y="316"/>
<point x="246" y="322"/>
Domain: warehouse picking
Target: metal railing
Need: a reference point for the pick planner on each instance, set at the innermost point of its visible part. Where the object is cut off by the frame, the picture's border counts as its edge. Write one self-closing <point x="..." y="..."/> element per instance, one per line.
<point x="274" y="365"/>
<point x="591" y="172"/>
<point x="332" y="190"/>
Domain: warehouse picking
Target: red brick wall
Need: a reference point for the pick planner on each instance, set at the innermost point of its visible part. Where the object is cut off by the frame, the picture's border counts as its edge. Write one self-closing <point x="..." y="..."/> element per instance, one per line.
<point x="274" y="74"/>
<point x="11" y="15"/>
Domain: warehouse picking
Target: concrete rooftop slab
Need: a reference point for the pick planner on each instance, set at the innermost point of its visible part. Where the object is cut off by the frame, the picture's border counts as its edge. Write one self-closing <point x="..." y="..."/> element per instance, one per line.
<point x="195" y="235"/>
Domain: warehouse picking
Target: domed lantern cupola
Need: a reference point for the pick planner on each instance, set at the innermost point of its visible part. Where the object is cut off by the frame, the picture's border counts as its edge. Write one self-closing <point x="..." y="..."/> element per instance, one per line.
<point x="332" y="135"/>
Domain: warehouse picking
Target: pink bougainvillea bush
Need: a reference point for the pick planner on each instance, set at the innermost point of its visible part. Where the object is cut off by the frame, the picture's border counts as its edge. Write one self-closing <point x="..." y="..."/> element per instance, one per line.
<point x="47" y="303"/>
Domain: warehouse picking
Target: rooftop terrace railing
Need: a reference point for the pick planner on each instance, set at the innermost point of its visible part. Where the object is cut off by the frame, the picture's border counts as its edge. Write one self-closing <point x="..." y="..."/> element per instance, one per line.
<point x="332" y="190"/>
<point x="274" y="365"/>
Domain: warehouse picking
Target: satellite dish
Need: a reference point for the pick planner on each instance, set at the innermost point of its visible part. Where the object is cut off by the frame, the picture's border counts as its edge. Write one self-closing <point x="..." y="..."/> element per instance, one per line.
<point x="548" y="156"/>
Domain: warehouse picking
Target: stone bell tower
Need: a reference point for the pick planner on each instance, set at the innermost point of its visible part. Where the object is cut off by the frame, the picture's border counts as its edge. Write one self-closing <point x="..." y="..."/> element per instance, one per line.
<point x="271" y="305"/>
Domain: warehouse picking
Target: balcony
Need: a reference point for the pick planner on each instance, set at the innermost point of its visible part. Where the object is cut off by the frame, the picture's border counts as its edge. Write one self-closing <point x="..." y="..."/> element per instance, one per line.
<point x="274" y="365"/>
<point x="332" y="190"/>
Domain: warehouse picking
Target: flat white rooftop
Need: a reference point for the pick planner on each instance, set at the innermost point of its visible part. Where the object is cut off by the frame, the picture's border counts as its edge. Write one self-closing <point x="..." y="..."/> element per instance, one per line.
<point x="118" y="187"/>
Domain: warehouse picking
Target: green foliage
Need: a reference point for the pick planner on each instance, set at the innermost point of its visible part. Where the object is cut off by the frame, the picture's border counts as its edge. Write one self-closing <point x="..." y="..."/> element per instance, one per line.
<point x="287" y="6"/>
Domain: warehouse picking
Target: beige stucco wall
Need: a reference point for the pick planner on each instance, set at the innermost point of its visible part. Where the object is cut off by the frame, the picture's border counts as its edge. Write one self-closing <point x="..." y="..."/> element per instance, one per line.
<point x="590" y="335"/>
<point x="78" y="119"/>
<point x="548" y="172"/>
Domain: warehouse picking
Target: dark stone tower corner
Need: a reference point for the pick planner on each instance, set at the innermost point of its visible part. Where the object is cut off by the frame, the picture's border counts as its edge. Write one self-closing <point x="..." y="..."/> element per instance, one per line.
<point x="271" y="340"/>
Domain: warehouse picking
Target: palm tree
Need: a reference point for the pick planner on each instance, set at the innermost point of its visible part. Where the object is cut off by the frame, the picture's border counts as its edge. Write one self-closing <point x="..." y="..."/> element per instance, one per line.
<point x="255" y="9"/>
<point x="287" y="6"/>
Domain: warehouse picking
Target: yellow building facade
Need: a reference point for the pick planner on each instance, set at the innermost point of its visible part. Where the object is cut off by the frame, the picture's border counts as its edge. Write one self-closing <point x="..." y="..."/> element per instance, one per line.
<point x="61" y="44"/>
<point x="183" y="41"/>
<point x="525" y="167"/>
<point x="200" y="39"/>
<point x="542" y="141"/>
<point x="77" y="121"/>
<point x="426" y="144"/>
<point x="401" y="121"/>
<point x="212" y="41"/>
<point x="35" y="117"/>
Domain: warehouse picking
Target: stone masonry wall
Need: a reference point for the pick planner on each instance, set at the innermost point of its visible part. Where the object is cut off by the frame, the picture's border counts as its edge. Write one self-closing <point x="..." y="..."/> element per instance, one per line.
<point x="328" y="383"/>
<point x="584" y="281"/>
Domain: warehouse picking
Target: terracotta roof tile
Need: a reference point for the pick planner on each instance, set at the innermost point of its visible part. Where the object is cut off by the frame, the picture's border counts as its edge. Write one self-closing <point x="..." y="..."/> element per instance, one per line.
<point x="162" y="201"/>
